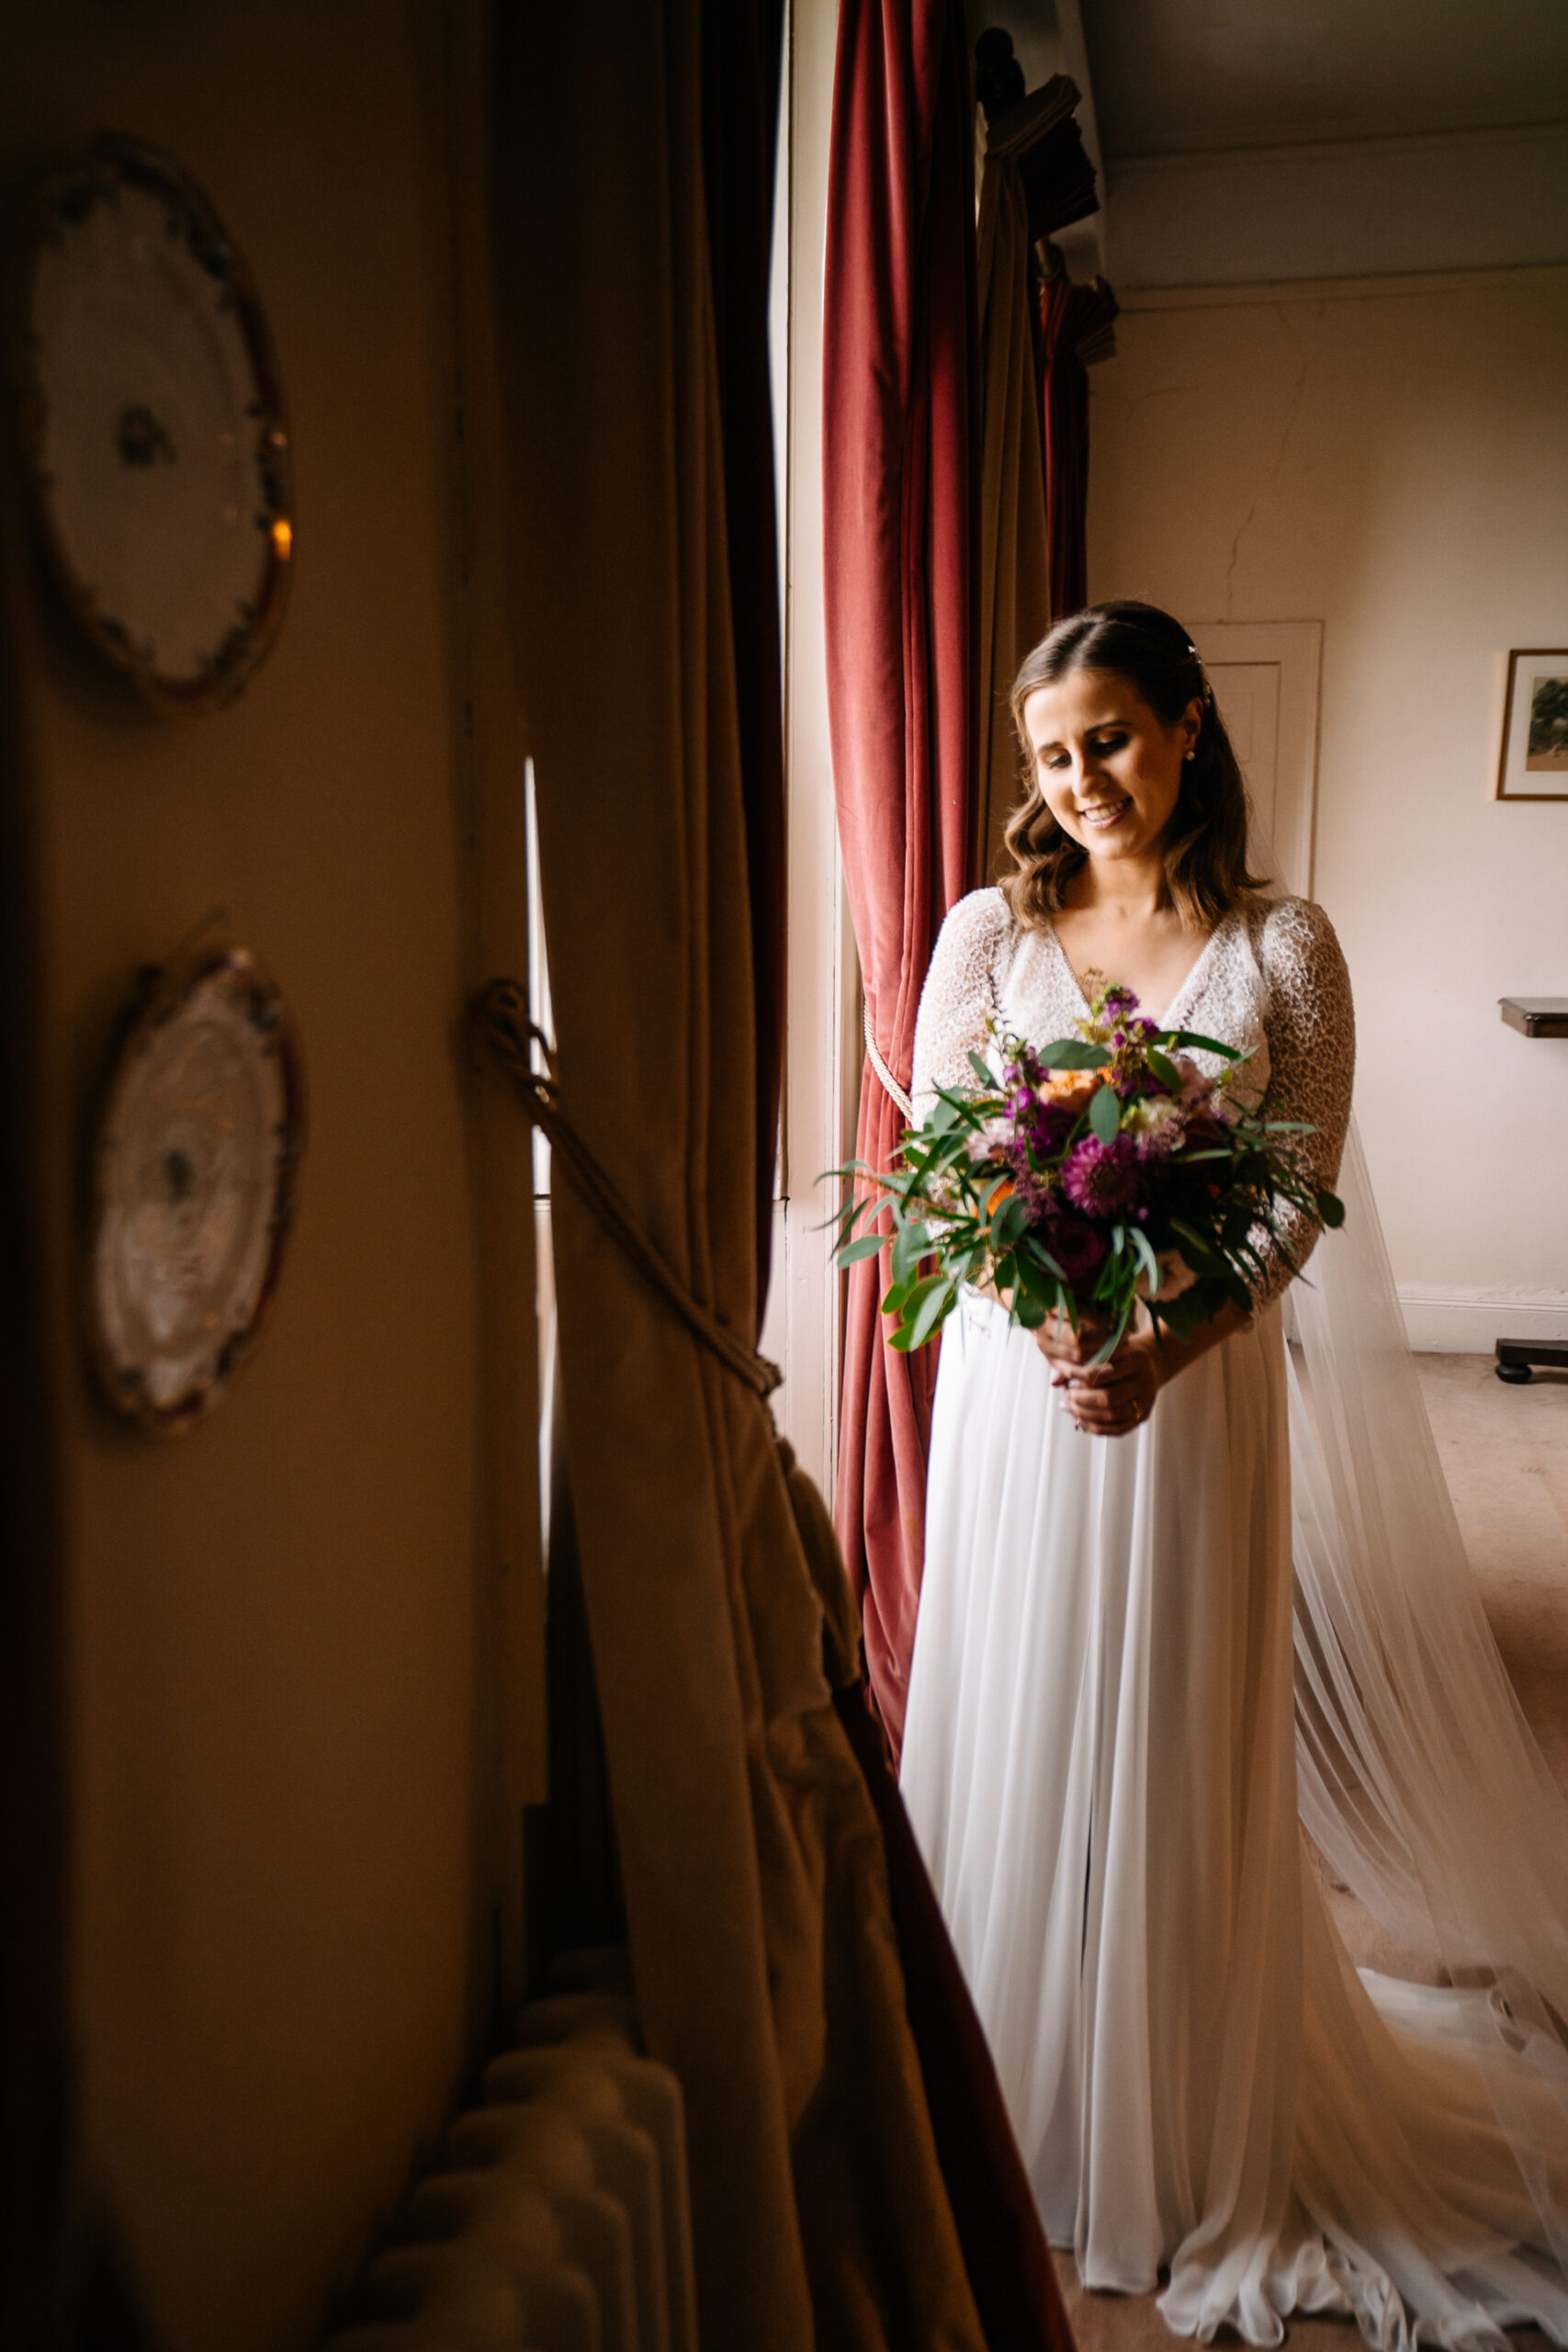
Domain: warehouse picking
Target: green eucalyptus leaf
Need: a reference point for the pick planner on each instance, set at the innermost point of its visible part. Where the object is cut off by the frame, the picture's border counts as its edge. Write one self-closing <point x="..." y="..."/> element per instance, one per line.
<point x="1183" y="1039"/>
<point x="904" y="1255"/>
<point x="918" y="1292"/>
<point x="938" y="1303"/>
<point x="1198" y="1252"/>
<point x="1105" y="1116"/>
<point x="1036" y="1282"/>
<point x="866" y="1247"/>
<point x="1073" y="1053"/>
<point x="1008" y="1223"/>
<point x="1195" y="1307"/>
<point x="1145" y="1256"/>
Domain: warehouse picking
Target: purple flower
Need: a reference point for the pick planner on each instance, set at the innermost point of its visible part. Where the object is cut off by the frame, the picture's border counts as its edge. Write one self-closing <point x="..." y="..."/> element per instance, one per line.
<point x="1033" y="1191"/>
<point x="1101" y="1178"/>
<point x="1035" y="1195"/>
<point x="1048" y="1129"/>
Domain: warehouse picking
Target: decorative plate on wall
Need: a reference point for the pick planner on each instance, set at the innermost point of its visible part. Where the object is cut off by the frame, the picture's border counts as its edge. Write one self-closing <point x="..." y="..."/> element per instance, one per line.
<point x="193" y="1174"/>
<point x="152" y="424"/>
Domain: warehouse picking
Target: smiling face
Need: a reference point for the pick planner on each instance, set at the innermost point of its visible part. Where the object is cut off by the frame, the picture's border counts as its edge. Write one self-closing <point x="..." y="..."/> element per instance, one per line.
<point x="1109" y="767"/>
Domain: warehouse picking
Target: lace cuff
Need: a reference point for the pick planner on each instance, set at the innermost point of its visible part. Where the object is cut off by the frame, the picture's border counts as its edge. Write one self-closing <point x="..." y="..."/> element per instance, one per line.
<point x="1311" y="1027"/>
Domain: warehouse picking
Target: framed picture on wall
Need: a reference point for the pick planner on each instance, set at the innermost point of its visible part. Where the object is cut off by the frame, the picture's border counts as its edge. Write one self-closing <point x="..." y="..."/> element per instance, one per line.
<point x="1533" y="763"/>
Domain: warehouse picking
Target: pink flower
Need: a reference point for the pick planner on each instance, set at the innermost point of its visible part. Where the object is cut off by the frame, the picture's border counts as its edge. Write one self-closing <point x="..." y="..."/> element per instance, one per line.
<point x="1101" y="1178"/>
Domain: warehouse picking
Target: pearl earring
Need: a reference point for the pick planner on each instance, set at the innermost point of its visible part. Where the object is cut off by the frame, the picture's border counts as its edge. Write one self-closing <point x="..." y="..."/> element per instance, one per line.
<point x="1191" y="752"/>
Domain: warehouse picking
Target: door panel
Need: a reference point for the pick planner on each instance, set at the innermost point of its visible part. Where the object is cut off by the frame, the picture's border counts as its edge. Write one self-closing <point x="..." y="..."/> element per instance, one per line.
<point x="1264" y="676"/>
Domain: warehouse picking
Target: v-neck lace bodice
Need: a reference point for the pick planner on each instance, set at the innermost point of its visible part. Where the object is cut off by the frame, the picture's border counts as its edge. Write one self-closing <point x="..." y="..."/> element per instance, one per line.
<point x="1272" y="982"/>
<point x="1176" y="1008"/>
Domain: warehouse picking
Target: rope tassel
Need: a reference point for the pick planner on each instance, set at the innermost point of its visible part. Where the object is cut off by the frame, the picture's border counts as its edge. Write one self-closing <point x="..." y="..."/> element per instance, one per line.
<point x="890" y="1082"/>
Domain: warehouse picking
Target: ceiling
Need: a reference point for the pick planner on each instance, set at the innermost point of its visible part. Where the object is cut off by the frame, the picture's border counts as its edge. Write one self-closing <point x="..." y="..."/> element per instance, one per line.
<point x="1185" y="76"/>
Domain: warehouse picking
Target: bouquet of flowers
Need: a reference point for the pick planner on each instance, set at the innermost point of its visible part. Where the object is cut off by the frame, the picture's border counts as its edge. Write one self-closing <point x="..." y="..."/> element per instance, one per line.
<point x="1081" y="1178"/>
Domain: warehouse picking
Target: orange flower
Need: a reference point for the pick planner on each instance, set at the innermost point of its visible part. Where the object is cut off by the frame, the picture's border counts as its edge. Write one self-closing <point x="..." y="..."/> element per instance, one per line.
<point x="1073" y="1090"/>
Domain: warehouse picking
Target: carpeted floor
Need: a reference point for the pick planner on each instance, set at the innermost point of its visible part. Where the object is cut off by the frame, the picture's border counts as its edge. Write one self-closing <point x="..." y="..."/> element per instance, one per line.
<point x="1504" y="1452"/>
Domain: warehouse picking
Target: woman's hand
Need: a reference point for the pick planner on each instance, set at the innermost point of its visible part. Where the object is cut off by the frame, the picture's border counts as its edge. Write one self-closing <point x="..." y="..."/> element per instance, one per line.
<point x="1109" y="1399"/>
<point x="1060" y="1344"/>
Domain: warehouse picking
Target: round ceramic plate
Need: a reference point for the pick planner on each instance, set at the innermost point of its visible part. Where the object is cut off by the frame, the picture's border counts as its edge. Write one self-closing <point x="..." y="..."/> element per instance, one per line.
<point x="194" y="1182"/>
<point x="152" y="424"/>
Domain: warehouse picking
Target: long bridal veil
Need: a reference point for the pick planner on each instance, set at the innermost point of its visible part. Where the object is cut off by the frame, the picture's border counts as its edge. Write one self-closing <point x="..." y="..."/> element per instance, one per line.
<point x="1419" y="1778"/>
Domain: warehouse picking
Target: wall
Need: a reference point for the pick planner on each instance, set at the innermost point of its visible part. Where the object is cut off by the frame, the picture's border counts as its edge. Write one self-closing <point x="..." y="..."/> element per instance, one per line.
<point x="1388" y="456"/>
<point x="272" y="1620"/>
<point x="1340" y="208"/>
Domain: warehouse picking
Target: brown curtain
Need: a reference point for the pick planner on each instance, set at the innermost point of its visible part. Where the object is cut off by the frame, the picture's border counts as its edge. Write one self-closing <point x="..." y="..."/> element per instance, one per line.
<point x="756" y="1884"/>
<point x="1076" y="329"/>
<point x="1037" y="178"/>
<point x="1015" y="551"/>
<point x="901" y="468"/>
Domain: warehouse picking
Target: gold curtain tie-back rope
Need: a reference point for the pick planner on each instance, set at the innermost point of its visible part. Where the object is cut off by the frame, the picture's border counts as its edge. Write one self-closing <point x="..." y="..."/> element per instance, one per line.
<point x="883" y="1072"/>
<point x="504" y="1011"/>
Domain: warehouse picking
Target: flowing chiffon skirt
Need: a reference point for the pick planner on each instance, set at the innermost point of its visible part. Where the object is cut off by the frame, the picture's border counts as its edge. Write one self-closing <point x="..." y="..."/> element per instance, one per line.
<point x="1100" y="1763"/>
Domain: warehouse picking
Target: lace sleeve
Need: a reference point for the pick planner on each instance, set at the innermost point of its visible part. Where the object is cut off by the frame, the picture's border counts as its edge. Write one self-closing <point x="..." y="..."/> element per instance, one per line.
<point x="1311" y="1027"/>
<point x="959" y="997"/>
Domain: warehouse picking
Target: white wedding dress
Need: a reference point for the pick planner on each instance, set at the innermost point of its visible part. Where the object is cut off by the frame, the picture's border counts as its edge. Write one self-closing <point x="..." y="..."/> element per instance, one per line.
<point x="1100" y="1762"/>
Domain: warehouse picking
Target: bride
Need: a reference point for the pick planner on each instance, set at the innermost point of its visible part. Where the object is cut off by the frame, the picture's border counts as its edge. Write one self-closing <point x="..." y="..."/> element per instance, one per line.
<point x="1178" y="1606"/>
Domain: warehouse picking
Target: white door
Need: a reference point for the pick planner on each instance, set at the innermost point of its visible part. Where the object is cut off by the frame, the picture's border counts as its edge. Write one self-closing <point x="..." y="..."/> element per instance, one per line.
<point x="1265" y="678"/>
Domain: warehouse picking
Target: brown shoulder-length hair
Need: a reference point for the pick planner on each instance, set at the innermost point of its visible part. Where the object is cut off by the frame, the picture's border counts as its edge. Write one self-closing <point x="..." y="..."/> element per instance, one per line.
<point x="1205" y="856"/>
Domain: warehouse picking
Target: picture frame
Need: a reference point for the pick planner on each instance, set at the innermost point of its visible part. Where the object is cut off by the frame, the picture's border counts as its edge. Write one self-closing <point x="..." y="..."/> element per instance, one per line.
<point x="1532" y="763"/>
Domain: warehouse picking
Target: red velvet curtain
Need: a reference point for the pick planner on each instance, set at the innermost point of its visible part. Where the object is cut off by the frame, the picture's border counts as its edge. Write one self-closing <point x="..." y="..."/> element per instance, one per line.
<point x="900" y="466"/>
<point x="1074" y="331"/>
